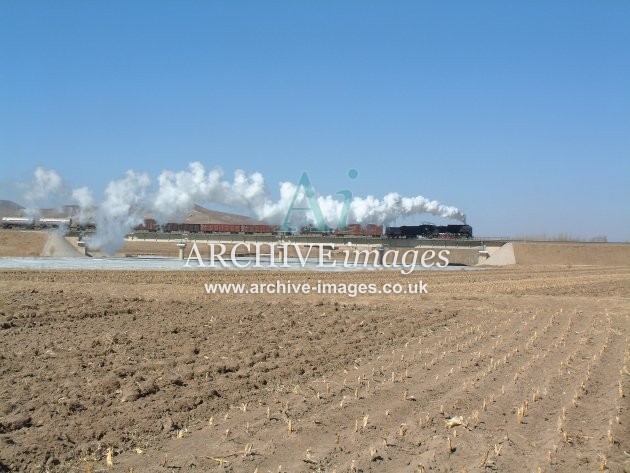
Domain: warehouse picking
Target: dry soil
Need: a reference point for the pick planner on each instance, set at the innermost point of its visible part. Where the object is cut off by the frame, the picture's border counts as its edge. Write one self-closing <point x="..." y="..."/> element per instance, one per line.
<point x="146" y="371"/>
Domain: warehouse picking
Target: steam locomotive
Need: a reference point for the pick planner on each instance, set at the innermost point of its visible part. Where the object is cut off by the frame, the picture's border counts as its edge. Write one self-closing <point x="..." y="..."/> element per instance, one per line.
<point x="149" y="225"/>
<point x="427" y="230"/>
<point x="449" y="232"/>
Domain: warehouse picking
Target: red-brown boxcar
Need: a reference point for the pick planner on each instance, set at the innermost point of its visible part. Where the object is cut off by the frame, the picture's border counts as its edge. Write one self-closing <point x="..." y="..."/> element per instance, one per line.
<point x="220" y="228"/>
<point x="373" y="230"/>
<point x="151" y="225"/>
<point x="260" y="228"/>
<point x="352" y="229"/>
<point x="209" y="227"/>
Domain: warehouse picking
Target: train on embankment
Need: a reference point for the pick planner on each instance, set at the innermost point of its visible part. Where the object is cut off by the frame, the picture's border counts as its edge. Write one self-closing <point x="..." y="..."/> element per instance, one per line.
<point x="369" y="230"/>
<point x="41" y="223"/>
<point x="149" y="225"/>
<point x="428" y="230"/>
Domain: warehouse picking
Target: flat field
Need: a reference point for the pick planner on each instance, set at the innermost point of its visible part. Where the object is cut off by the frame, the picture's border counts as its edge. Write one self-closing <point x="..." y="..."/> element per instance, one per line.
<point x="114" y="370"/>
<point x="21" y="243"/>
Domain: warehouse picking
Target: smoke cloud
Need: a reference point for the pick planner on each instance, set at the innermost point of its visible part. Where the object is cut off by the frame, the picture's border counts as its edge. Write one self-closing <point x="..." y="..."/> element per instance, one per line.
<point x="179" y="191"/>
<point x="121" y="210"/>
<point x="46" y="182"/>
<point x="83" y="197"/>
<point x="128" y="199"/>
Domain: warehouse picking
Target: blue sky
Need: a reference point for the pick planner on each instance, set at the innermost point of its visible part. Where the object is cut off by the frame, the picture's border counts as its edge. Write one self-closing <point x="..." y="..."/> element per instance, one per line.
<point x="516" y="112"/>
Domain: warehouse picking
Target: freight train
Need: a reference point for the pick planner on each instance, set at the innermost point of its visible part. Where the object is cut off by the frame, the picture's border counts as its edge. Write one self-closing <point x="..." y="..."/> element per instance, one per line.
<point x="427" y="230"/>
<point x="41" y="223"/>
<point x="353" y="229"/>
<point x="370" y="230"/>
<point x="151" y="226"/>
<point x="29" y="222"/>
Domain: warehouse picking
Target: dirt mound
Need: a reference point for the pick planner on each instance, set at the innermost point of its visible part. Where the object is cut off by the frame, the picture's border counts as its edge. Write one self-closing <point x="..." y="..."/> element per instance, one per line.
<point x="22" y="243"/>
<point x="146" y="369"/>
<point x="504" y="256"/>
<point x="57" y="246"/>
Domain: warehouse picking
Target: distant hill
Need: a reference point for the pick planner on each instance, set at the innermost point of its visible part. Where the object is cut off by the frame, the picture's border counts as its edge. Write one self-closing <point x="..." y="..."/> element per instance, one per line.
<point x="197" y="214"/>
<point x="63" y="212"/>
<point x="8" y="208"/>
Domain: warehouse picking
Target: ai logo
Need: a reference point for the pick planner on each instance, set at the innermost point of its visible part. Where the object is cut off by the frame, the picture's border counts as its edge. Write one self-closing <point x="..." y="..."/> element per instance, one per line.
<point x="313" y="206"/>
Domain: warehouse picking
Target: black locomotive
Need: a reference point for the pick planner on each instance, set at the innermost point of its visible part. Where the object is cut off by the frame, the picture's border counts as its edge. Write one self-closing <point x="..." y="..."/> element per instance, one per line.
<point x="428" y="230"/>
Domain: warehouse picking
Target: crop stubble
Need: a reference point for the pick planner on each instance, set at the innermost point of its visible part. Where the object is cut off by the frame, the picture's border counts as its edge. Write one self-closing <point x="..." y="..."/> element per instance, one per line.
<point x="146" y="371"/>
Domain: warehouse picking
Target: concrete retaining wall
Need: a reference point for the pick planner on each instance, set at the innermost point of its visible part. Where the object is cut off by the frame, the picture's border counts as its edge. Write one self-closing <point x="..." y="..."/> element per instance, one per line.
<point x="543" y="253"/>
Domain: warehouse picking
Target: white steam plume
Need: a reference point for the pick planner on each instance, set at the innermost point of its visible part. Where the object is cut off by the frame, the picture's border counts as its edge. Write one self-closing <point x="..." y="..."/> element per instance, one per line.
<point x="46" y="187"/>
<point x="371" y="210"/>
<point x="129" y="198"/>
<point x="179" y="191"/>
<point x="46" y="182"/>
<point x="121" y="210"/>
<point x="83" y="197"/>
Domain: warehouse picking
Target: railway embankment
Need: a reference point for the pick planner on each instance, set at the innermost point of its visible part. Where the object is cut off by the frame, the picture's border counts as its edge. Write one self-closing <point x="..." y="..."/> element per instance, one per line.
<point x="561" y="253"/>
